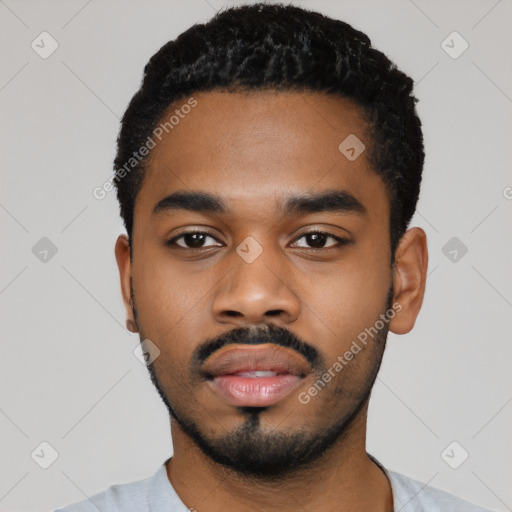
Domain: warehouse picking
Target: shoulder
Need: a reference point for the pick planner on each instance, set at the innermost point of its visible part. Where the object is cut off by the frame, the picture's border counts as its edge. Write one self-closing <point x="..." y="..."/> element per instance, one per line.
<point x="121" y="497"/>
<point x="153" y="494"/>
<point x="413" y="496"/>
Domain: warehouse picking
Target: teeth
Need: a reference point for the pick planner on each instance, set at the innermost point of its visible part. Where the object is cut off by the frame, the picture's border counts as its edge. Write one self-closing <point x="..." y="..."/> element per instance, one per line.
<point x="257" y="373"/>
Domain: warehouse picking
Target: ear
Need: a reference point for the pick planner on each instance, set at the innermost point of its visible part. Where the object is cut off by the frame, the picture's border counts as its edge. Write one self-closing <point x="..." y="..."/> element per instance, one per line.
<point x="122" y="251"/>
<point x="409" y="279"/>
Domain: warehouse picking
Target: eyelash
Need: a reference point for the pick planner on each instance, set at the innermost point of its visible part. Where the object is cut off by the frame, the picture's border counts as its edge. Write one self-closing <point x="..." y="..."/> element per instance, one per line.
<point x="340" y="241"/>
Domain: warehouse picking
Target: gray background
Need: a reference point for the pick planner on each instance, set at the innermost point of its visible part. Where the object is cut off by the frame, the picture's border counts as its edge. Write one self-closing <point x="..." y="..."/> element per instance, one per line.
<point x="68" y="373"/>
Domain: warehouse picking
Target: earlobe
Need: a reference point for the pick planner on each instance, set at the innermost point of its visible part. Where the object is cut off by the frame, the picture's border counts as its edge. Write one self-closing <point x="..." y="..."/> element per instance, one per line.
<point x="131" y="326"/>
<point x="409" y="279"/>
<point x="122" y="252"/>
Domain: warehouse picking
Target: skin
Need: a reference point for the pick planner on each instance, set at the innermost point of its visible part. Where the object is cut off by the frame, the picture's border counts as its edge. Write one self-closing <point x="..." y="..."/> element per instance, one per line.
<point x="254" y="149"/>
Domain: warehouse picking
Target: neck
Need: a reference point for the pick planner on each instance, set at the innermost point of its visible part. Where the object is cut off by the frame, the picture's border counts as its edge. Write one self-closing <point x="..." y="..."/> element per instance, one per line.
<point x="343" y="478"/>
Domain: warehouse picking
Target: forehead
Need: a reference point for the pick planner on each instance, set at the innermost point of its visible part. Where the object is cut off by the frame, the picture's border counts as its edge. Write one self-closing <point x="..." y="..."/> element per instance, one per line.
<point x="248" y="146"/>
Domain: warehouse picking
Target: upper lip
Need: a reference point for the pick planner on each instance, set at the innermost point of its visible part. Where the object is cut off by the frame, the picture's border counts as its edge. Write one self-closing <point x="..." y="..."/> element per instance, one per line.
<point x="232" y="359"/>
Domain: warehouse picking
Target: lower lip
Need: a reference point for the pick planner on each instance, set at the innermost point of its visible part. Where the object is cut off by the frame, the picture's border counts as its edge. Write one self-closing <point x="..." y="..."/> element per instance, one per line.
<point x="254" y="391"/>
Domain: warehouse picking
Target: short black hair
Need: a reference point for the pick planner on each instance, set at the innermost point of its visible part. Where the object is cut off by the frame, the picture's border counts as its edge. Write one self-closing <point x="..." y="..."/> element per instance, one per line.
<point x="283" y="48"/>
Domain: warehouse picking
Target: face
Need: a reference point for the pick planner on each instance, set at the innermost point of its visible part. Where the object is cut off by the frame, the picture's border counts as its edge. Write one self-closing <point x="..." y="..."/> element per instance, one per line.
<point x="261" y="269"/>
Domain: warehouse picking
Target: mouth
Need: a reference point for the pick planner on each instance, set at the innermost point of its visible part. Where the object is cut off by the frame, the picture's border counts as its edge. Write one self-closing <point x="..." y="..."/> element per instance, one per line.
<point x="254" y="375"/>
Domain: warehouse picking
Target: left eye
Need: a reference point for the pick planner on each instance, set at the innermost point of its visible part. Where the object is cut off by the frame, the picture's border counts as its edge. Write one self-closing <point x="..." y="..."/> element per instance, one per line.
<point x="318" y="240"/>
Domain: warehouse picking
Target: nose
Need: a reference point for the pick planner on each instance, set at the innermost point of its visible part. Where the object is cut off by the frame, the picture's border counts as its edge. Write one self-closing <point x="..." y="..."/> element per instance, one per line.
<point x="256" y="293"/>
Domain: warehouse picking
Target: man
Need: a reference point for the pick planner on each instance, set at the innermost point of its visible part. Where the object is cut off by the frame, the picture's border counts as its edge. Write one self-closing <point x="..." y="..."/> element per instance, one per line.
<point x="267" y="171"/>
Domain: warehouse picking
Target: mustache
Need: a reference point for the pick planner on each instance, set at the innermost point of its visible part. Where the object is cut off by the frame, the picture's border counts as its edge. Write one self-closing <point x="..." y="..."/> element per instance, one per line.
<point x="256" y="336"/>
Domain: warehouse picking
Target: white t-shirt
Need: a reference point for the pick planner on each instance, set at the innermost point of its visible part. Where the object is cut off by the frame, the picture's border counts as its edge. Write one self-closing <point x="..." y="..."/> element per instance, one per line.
<point x="156" y="494"/>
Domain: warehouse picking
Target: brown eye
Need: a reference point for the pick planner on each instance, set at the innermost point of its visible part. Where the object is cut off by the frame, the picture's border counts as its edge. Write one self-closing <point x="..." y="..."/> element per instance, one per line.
<point x="319" y="240"/>
<point x="194" y="240"/>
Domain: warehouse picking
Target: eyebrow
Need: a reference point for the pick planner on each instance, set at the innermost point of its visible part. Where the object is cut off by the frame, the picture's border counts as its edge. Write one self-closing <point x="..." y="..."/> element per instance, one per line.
<point x="204" y="202"/>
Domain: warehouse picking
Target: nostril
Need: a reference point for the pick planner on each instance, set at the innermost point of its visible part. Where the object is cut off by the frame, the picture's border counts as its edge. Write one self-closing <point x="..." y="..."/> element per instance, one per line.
<point x="274" y="312"/>
<point x="233" y="313"/>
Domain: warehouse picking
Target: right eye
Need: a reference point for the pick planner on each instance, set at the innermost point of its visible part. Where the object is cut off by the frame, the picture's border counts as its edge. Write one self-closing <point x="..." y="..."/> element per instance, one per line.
<point x="193" y="240"/>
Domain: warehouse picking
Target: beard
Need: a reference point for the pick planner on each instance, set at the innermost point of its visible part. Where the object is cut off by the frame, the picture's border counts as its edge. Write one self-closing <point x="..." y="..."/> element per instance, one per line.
<point x="255" y="452"/>
<point x="258" y="452"/>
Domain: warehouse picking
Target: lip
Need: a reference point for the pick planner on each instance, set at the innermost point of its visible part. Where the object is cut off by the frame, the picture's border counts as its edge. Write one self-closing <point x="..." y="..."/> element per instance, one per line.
<point x="230" y="373"/>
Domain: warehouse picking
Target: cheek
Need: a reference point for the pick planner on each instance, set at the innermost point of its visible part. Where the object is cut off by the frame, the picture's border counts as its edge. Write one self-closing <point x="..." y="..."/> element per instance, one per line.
<point x="174" y="306"/>
<point x="350" y="298"/>
<point x="165" y="295"/>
